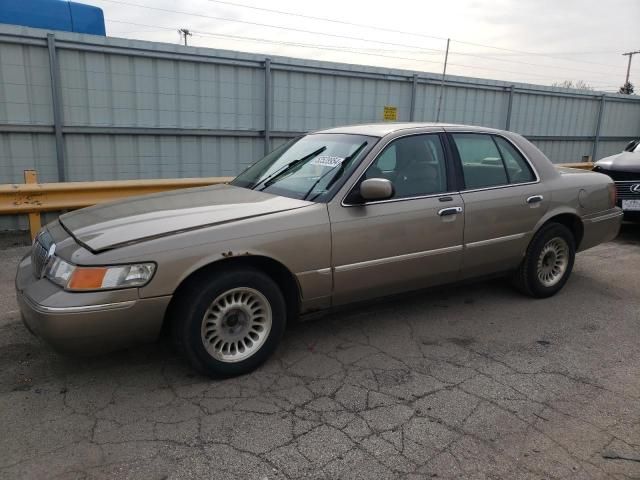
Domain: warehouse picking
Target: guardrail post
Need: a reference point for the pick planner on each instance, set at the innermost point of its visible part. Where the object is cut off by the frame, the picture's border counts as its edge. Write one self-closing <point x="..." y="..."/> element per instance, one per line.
<point x="596" y="140"/>
<point x="35" y="223"/>
<point x="54" y="72"/>
<point x="267" y="105"/>
<point x="414" y="87"/>
<point x="509" y="107"/>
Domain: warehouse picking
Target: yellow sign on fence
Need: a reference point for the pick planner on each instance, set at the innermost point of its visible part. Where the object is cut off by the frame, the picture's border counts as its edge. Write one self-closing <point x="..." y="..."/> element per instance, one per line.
<point x="390" y="113"/>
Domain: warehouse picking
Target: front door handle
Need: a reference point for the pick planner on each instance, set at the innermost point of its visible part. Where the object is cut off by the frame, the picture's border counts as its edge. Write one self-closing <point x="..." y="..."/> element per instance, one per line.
<point x="535" y="199"/>
<point x="449" y="211"/>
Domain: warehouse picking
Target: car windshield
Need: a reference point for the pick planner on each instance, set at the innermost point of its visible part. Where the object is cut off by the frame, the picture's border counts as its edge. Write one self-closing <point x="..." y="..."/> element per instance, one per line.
<point x="309" y="168"/>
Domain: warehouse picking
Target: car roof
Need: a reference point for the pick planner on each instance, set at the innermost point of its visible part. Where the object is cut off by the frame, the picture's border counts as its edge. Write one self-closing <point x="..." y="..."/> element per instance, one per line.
<point x="385" y="128"/>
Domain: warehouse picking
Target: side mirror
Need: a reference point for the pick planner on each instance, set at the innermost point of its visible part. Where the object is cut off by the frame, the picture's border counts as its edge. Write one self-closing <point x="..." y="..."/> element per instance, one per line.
<point x="376" y="189"/>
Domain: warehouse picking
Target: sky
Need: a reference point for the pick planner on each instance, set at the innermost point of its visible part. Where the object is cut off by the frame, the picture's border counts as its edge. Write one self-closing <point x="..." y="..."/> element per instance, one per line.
<point x="532" y="41"/>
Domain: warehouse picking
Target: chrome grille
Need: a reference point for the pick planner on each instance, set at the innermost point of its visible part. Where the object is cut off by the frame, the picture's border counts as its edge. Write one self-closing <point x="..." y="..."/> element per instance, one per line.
<point x="623" y="190"/>
<point x="40" y="252"/>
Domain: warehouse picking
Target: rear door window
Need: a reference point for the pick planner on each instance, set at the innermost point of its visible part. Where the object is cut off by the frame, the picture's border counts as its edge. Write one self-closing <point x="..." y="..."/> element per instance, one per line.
<point x="490" y="161"/>
<point x="482" y="164"/>
<point x="518" y="168"/>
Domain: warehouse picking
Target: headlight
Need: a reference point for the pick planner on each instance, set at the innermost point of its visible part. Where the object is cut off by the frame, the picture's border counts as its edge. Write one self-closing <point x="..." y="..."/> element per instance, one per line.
<point x="59" y="271"/>
<point x="76" y="278"/>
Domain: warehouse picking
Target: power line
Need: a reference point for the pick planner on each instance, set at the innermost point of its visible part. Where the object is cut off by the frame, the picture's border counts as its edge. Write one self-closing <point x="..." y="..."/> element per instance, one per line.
<point x="475" y="67"/>
<point x="360" y="50"/>
<point x="338" y="48"/>
<point x="392" y="30"/>
<point x="528" y="63"/>
<point x="325" y="33"/>
<point x="309" y="45"/>
<point x="538" y="54"/>
<point x="280" y="42"/>
<point x="315" y="32"/>
<point x="258" y="24"/>
<point x="157" y="28"/>
<point x="136" y="32"/>
<point x="325" y="19"/>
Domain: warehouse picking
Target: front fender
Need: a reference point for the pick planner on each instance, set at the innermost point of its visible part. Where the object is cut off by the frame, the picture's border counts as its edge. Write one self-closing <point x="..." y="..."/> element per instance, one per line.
<point x="299" y="241"/>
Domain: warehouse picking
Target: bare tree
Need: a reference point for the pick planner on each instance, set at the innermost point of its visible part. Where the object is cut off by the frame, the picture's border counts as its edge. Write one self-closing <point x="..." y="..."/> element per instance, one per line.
<point x="626" y="89"/>
<point x="577" y="84"/>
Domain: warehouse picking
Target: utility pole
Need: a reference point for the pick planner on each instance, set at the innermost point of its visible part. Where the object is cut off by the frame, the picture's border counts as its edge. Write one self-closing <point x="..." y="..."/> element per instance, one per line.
<point x="630" y="55"/>
<point x="444" y="72"/>
<point x="184" y="33"/>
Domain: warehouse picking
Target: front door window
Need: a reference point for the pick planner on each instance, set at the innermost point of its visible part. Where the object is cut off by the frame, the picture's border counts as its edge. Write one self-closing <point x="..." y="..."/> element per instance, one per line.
<point x="414" y="164"/>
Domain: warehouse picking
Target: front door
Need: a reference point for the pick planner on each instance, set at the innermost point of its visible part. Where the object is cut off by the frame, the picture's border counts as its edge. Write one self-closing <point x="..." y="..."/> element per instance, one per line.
<point x="410" y="241"/>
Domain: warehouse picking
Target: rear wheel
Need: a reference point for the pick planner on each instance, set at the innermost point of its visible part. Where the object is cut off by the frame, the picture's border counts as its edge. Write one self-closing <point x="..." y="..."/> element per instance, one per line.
<point x="229" y="324"/>
<point x="548" y="262"/>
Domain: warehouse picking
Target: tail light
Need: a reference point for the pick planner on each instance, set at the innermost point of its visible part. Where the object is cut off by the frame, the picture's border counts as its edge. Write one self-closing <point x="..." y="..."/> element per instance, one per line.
<point x="613" y="196"/>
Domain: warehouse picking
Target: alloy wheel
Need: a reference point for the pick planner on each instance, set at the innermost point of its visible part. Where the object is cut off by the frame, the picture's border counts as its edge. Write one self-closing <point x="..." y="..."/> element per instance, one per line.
<point x="236" y="325"/>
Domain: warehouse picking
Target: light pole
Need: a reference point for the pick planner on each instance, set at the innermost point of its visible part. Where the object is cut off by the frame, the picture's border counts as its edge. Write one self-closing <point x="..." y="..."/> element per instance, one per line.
<point x="444" y="73"/>
<point x="184" y="33"/>
<point x="630" y="55"/>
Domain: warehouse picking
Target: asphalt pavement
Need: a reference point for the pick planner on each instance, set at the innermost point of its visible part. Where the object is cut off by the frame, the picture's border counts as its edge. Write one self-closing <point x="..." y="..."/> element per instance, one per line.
<point x="473" y="381"/>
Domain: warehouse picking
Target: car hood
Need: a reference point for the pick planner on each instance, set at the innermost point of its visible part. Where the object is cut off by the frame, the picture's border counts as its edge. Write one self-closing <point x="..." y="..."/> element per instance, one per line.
<point x="623" y="162"/>
<point x="134" y="219"/>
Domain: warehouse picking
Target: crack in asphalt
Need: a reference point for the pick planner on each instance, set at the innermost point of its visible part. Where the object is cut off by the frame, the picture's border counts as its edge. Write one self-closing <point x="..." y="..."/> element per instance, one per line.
<point x="451" y="384"/>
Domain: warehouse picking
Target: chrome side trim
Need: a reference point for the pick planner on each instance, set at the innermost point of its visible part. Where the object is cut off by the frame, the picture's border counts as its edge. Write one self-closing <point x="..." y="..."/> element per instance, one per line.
<point x="510" y="185"/>
<point x="403" y="199"/>
<point x="320" y="271"/>
<point x="397" y="258"/>
<point x="608" y="216"/>
<point x="79" y="309"/>
<point x="491" y="241"/>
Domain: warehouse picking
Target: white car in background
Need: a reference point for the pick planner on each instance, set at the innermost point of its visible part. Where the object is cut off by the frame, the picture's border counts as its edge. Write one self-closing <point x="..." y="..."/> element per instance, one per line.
<point x="624" y="169"/>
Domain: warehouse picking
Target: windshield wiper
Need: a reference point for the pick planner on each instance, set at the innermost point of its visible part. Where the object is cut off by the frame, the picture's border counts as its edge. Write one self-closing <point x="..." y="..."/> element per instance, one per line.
<point x="289" y="167"/>
<point x="337" y="175"/>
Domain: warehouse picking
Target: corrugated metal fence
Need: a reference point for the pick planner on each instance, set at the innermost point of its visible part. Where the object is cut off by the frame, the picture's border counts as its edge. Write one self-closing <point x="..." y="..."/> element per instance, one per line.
<point x="80" y="107"/>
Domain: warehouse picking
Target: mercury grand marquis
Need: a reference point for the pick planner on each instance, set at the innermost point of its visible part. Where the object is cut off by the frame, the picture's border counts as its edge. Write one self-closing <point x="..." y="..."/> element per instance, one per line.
<point x="333" y="217"/>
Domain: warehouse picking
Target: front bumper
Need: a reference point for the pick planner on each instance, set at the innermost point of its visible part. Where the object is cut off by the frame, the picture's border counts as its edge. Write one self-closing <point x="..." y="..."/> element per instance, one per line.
<point x="86" y="323"/>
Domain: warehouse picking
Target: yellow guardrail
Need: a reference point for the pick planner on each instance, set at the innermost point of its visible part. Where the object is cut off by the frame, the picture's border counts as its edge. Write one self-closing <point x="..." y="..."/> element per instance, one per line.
<point x="582" y="165"/>
<point x="32" y="198"/>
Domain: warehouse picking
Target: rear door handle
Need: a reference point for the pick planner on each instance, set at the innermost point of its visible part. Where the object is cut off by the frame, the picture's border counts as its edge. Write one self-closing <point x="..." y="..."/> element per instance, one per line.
<point x="449" y="211"/>
<point x="535" y="199"/>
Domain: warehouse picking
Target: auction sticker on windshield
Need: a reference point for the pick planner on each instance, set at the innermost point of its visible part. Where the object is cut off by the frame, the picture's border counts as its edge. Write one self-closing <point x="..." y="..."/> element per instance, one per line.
<point x="327" y="161"/>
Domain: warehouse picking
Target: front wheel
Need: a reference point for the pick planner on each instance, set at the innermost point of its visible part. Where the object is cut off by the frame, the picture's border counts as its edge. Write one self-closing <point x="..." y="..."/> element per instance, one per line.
<point x="230" y="323"/>
<point x="548" y="262"/>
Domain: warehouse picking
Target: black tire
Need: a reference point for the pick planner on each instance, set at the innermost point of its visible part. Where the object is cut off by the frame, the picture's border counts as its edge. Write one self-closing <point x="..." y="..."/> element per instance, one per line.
<point x="194" y="300"/>
<point x="526" y="278"/>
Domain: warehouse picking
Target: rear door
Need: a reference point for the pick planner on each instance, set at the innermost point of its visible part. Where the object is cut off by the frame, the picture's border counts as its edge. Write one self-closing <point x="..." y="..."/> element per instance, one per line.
<point x="503" y="201"/>
<point x="409" y="241"/>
